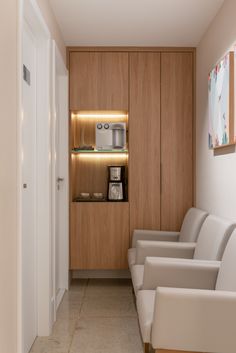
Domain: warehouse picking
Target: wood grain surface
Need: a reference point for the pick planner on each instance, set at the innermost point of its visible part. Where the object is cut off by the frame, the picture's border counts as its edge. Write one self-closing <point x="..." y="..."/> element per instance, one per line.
<point x="176" y="138"/>
<point x="98" y="80"/>
<point x="144" y="141"/>
<point x="99" y="236"/>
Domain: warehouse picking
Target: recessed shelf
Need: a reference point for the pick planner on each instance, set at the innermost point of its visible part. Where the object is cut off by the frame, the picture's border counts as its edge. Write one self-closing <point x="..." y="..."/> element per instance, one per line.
<point x="89" y="200"/>
<point x="89" y="164"/>
<point x="77" y="151"/>
<point x="97" y="201"/>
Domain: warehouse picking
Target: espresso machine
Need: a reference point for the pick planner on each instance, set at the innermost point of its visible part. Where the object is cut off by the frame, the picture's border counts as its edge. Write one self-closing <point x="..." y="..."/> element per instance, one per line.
<point x="116" y="183"/>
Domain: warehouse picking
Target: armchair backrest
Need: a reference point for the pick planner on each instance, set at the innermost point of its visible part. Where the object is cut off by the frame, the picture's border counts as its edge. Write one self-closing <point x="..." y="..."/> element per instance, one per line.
<point x="226" y="279"/>
<point x="213" y="238"/>
<point x="192" y="224"/>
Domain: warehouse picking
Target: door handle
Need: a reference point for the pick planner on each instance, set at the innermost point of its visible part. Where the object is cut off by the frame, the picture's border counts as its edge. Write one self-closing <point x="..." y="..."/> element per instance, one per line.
<point x="60" y="179"/>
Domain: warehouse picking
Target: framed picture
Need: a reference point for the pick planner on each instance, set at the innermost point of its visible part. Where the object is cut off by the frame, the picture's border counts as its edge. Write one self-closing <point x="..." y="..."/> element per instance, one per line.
<point x="221" y="103"/>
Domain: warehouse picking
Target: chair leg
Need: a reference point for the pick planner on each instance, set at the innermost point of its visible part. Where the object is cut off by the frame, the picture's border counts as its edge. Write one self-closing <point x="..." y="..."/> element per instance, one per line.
<point x="146" y="347"/>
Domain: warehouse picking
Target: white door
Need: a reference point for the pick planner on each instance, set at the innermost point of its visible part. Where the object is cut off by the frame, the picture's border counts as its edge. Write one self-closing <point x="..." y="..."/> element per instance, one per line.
<point x="59" y="219"/>
<point x="29" y="279"/>
<point x="61" y="181"/>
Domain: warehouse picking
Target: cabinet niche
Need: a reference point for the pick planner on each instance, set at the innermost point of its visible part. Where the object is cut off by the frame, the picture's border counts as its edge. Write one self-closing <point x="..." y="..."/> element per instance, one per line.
<point x="89" y="166"/>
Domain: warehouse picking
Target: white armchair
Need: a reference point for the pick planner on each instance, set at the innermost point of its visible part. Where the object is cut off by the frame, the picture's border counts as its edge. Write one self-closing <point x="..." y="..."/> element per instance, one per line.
<point x="210" y="245"/>
<point x="191" y="226"/>
<point x="201" y="316"/>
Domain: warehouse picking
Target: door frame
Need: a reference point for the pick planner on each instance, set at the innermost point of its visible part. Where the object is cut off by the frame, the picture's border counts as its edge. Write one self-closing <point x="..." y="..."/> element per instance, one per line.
<point x="30" y="14"/>
<point x="60" y="117"/>
<point x="32" y="191"/>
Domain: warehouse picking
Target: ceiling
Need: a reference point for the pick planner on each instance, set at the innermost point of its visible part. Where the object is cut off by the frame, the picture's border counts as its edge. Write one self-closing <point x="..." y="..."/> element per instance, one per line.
<point x="134" y="22"/>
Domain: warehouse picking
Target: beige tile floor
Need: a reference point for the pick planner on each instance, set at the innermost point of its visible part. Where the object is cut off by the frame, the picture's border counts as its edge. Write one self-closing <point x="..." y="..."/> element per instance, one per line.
<point x="95" y="316"/>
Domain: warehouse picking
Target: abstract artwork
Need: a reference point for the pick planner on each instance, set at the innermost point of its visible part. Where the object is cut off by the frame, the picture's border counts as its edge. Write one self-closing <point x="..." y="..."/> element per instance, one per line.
<point x="221" y="103"/>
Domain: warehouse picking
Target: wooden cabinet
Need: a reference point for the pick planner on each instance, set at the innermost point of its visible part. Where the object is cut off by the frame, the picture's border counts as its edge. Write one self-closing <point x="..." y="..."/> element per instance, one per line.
<point x="161" y="139"/>
<point x="153" y="89"/>
<point x="98" y="81"/>
<point x="144" y="141"/>
<point x="176" y="138"/>
<point x="99" y="235"/>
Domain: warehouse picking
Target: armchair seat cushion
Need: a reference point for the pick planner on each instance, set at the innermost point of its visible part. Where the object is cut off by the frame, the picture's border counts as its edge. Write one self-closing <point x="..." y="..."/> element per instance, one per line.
<point x="137" y="272"/>
<point x="131" y="257"/>
<point x="145" y="308"/>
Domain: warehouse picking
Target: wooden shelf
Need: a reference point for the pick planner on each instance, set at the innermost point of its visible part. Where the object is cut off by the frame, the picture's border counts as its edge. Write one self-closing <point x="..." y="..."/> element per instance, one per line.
<point x="98" y="152"/>
<point x="106" y="201"/>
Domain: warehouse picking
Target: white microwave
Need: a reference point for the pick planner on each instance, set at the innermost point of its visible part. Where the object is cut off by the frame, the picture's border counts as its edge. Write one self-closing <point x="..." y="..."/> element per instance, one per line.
<point x="106" y="137"/>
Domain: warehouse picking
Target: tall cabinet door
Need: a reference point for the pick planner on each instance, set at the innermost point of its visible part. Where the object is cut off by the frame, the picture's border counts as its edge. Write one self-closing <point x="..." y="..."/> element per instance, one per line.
<point x="98" y="81"/>
<point x="144" y="141"/>
<point x="176" y="138"/>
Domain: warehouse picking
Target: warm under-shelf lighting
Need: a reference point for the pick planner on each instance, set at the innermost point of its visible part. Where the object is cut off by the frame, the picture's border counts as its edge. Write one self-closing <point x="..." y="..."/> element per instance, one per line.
<point x="101" y="115"/>
<point x="102" y="155"/>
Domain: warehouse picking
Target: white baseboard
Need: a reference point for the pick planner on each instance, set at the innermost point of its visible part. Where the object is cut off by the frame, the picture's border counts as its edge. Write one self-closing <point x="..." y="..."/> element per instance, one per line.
<point x="59" y="297"/>
<point x="101" y="274"/>
<point x="52" y="316"/>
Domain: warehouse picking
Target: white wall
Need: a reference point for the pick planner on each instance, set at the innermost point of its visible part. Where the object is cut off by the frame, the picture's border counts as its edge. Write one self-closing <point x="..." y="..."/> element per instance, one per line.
<point x="53" y="27"/>
<point x="9" y="21"/>
<point x="215" y="175"/>
<point x="8" y="176"/>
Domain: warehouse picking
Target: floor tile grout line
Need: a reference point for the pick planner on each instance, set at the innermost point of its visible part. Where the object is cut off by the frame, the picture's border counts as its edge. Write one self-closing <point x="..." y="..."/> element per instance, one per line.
<point x="108" y="317"/>
<point x="86" y="294"/>
<point x="107" y="297"/>
<point x="86" y="287"/>
<point x="78" y="317"/>
<point x="84" y="297"/>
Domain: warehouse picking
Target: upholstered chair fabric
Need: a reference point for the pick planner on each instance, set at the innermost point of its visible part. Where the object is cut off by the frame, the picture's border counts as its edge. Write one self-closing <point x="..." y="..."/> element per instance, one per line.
<point x="226" y="280"/>
<point x="191" y="226"/>
<point x="192" y="318"/>
<point x="158" y="235"/>
<point x="210" y="245"/>
<point x="213" y="237"/>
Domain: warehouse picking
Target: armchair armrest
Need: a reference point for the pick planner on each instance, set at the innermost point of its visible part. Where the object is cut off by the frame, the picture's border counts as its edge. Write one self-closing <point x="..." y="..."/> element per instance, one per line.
<point x="159" y="235"/>
<point x="180" y="273"/>
<point x="163" y="249"/>
<point x="194" y="320"/>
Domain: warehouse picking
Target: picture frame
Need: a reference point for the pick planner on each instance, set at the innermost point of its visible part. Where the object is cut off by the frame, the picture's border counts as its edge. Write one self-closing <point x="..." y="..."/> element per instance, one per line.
<point x="221" y="98"/>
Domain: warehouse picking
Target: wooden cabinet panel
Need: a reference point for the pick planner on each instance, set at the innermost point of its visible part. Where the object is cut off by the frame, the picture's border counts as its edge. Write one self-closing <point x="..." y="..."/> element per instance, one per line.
<point x="98" y="81"/>
<point x="176" y="138"/>
<point x="144" y="141"/>
<point x="99" y="235"/>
